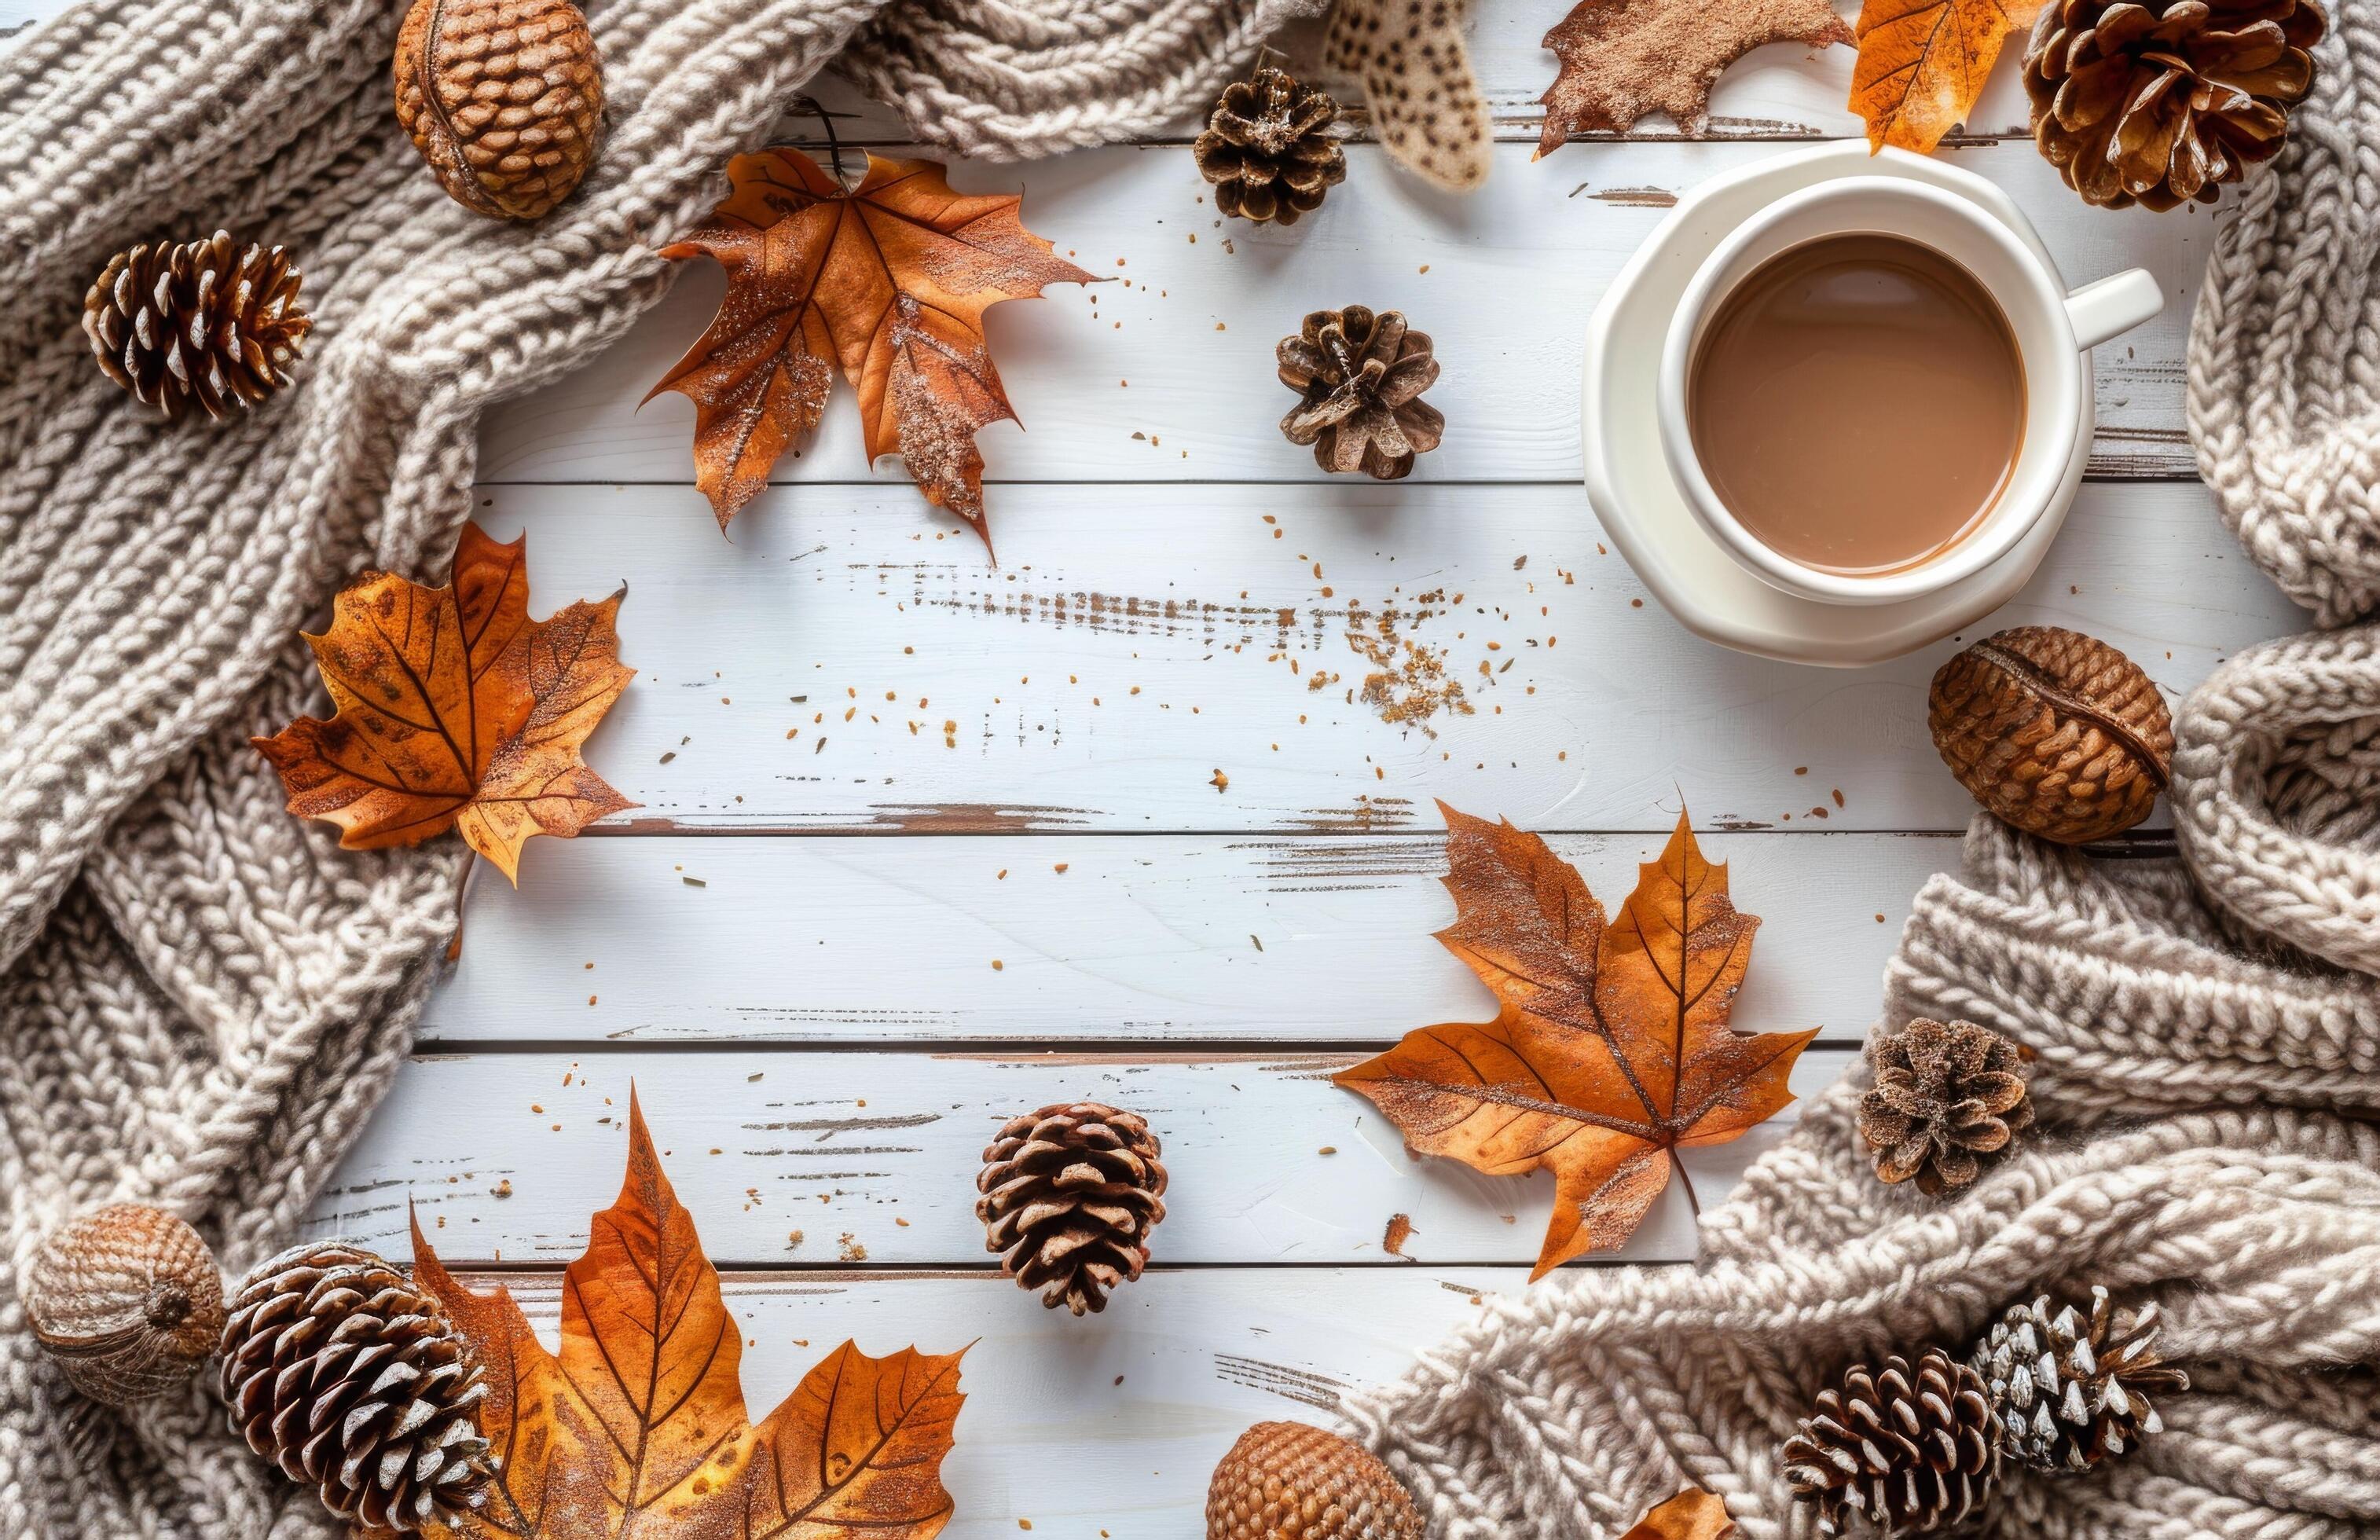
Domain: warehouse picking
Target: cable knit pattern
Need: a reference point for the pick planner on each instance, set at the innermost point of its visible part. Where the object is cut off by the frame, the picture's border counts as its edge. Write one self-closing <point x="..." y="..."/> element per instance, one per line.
<point x="2284" y="392"/>
<point x="202" y="998"/>
<point x="2205" y="1034"/>
<point x="1002" y="79"/>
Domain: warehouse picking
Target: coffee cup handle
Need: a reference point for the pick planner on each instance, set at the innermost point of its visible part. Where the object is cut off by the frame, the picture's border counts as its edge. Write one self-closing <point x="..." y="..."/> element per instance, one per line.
<point x="2113" y="306"/>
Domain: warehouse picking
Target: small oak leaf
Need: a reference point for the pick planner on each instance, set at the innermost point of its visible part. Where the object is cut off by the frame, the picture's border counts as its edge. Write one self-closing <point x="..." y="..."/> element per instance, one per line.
<point x="889" y="282"/>
<point x="1624" y="59"/>
<point x="1610" y="1048"/>
<point x="455" y="710"/>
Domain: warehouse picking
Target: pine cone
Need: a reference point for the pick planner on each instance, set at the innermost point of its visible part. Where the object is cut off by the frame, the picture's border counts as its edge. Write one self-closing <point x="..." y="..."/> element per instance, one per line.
<point x="1069" y="1194"/>
<point x="1947" y="1098"/>
<point x="1909" y="1449"/>
<point x="129" y="1301"/>
<point x="1268" y="148"/>
<point x="204" y="321"/>
<point x="1287" y="1481"/>
<point x="2163" y="100"/>
<point x="504" y="98"/>
<point x="354" y="1382"/>
<point x="1362" y="376"/>
<point x="2071" y="1392"/>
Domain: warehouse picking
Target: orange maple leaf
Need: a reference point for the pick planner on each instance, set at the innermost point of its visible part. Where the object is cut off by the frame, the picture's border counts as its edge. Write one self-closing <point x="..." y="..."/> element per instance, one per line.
<point x="1610" y="1048"/>
<point x="638" y="1427"/>
<point x="1923" y="63"/>
<point x="889" y="279"/>
<point x="455" y="709"/>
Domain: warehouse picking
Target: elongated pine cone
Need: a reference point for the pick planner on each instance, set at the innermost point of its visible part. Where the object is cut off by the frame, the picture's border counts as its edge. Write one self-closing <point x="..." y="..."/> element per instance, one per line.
<point x="2074" y="1390"/>
<point x="1909" y="1448"/>
<point x="354" y="1382"/>
<point x="2161" y="101"/>
<point x="204" y="321"/>
<point x="1069" y="1194"/>
<point x="1269" y="150"/>
<point x="1287" y="1481"/>
<point x="504" y="98"/>
<point x="1362" y="376"/>
<point x="2054" y="732"/>
<point x="1948" y="1099"/>
<point x="128" y="1299"/>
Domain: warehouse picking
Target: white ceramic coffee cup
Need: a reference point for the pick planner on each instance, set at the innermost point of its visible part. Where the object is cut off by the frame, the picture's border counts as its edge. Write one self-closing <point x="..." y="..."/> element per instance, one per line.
<point x="2052" y="328"/>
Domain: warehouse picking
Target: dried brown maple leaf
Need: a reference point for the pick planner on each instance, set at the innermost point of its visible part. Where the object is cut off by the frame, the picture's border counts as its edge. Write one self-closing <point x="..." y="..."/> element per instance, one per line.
<point x="638" y="1427"/>
<point x="1610" y="1048"/>
<point x="1693" y="1514"/>
<point x="455" y="710"/>
<point x="1921" y="64"/>
<point x="890" y="280"/>
<point x="1623" y="59"/>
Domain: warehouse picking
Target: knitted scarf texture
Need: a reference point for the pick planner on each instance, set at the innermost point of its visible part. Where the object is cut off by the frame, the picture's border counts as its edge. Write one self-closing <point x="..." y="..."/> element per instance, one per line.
<point x="201" y="999"/>
<point x="2206" y="1031"/>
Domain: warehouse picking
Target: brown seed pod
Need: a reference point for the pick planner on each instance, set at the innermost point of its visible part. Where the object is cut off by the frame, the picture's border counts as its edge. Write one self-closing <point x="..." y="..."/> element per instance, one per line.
<point x="128" y="1299"/>
<point x="2055" y="732"/>
<point x="1287" y="1481"/>
<point x="504" y="98"/>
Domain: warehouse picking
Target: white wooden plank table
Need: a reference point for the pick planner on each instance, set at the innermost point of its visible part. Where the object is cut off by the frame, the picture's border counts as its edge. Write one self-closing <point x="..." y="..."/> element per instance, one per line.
<point x="926" y="841"/>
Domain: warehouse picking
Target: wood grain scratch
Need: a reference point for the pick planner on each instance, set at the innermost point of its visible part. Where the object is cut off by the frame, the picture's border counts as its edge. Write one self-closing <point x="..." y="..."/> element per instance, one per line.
<point x="1298" y="1385"/>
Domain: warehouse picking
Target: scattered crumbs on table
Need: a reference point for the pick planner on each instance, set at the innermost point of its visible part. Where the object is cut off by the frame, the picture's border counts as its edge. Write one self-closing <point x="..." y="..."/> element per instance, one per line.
<point x="1328" y="1150"/>
<point x="1399" y="1232"/>
<point x="694" y="882"/>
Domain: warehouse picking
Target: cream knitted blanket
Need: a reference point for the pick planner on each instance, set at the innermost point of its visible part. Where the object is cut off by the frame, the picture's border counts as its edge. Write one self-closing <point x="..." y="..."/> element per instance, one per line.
<point x="201" y="1000"/>
<point x="2207" y="1032"/>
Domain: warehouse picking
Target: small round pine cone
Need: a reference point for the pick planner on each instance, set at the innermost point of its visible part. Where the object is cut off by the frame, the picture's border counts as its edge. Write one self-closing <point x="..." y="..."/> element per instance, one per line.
<point x="1289" y="1481"/>
<point x="1268" y="148"/>
<point x="1069" y="1194"/>
<point x="1948" y="1099"/>
<point x="354" y="1382"/>
<point x="1361" y="376"/>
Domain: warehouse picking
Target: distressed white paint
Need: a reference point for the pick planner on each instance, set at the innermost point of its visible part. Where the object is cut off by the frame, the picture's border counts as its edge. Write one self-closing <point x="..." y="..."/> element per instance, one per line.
<point x="1289" y="907"/>
<point x="873" y="1155"/>
<point x="1111" y="1423"/>
<point x="1511" y="274"/>
<point x="1151" y="938"/>
<point x="1139" y="640"/>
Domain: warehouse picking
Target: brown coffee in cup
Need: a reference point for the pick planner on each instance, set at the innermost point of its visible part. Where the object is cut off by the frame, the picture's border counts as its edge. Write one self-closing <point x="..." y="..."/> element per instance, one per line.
<point x="1858" y="403"/>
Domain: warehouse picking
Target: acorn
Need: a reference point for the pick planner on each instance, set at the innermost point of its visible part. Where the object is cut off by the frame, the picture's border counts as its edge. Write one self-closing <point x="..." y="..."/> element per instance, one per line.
<point x="1289" y="1481"/>
<point x="2055" y="732"/>
<point x="128" y="1299"/>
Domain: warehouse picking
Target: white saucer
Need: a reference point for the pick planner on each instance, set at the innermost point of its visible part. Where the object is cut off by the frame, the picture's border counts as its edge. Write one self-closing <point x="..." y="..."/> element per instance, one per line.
<point x="1628" y="482"/>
